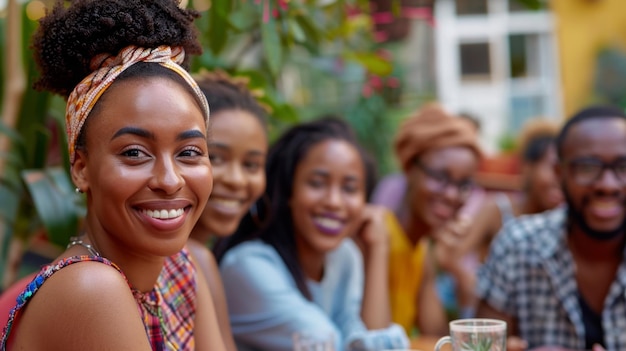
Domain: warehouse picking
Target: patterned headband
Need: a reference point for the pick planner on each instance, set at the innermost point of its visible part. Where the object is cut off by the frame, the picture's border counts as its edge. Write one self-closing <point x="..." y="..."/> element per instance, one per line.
<point x="106" y="68"/>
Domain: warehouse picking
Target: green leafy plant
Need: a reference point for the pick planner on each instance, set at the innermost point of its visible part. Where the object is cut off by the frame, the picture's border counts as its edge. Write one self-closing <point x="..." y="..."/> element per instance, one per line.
<point x="478" y="343"/>
<point x="534" y="4"/>
<point x="260" y="38"/>
<point x="35" y="195"/>
<point x="251" y="38"/>
<point x="29" y="189"/>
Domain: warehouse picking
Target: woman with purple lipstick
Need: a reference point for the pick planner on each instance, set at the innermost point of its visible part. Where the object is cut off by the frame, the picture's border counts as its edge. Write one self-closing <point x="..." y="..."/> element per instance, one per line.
<point x="317" y="264"/>
<point x="237" y="149"/>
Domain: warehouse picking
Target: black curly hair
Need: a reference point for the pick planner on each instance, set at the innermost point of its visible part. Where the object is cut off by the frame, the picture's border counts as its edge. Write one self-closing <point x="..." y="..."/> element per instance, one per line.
<point x="69" y="37"/>
<point x="224" y="92"/>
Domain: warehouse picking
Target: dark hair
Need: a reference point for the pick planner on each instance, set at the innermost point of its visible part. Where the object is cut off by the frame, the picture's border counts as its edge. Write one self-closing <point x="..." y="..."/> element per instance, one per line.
<point x="283" y="159"/>
<point x="371" y="173"/>
<point x="229" y="93"/>
<point x="68" y="38"/>
<point x="592" y="112"/>
<point x="536" y="148"/>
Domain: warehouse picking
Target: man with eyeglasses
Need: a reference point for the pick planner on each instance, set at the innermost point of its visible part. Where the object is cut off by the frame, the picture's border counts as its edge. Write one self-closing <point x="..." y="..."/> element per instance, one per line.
<point x="559" y="278"/>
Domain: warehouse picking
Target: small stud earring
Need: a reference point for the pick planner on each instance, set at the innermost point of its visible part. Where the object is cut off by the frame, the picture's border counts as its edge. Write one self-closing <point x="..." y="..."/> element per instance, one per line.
<point x="78" y="191"/>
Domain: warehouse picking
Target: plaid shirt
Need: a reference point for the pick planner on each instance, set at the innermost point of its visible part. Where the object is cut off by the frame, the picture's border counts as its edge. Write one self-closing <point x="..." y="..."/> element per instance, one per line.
<point x="530" y="275"/>
<point x="176" y="291"/>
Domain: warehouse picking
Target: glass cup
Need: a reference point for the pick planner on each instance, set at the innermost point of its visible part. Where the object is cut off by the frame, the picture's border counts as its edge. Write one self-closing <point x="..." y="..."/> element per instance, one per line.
<point x="475" y="334"/>
<point x="310" y="342"/>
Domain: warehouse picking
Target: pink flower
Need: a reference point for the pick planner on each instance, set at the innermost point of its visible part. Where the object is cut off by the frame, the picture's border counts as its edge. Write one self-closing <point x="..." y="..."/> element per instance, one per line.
<point x="382" y="17"/>
<point x="266" y="11"/>
<point x="393" y="82"/>
<point x="380" y="36"/>
<point x="417" y="12"/>
<point x="376" y="82"/>
<point x="352" y="11"/>
<point x="367" y="91"/>
<point x="384" y="54"/>
<point x="423" y="13"/>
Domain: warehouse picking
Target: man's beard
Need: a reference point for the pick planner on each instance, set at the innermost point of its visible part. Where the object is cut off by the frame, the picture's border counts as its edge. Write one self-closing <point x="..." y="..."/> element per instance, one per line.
<point x="576" y="217"/>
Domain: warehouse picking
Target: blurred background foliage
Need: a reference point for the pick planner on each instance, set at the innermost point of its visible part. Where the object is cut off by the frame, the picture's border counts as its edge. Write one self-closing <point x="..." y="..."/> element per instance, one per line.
<point x="306" y="58"/>
<point x="266" y="40"/>
<point x="258" y="39"/>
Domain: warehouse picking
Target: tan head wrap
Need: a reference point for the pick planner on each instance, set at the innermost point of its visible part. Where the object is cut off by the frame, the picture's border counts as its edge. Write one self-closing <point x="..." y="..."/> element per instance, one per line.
<point x="106" y="68"/>
<point x="432" y="128"/>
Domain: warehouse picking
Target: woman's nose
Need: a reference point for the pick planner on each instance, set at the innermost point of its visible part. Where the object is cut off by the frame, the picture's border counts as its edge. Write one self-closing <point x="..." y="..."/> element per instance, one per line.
<point x="232" y="175"/>
<point x="166" y="176"/>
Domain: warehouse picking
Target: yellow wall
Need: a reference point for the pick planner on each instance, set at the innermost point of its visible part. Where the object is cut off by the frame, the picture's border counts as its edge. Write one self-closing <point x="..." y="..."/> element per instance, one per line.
<point x="583" y="27"/>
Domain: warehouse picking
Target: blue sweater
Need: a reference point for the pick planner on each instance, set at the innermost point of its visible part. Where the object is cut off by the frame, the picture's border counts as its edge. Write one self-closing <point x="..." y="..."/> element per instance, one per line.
<point x="266" y="308"/>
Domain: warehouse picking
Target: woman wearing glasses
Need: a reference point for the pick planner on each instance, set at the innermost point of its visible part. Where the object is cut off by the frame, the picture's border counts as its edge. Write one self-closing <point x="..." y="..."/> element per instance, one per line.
<point x="439" y="155"/>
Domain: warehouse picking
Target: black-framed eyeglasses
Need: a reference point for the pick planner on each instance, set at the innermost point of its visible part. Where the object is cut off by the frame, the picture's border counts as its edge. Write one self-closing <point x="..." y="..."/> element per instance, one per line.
<point x="586" y="171"/>
<point x="441" y="180"/>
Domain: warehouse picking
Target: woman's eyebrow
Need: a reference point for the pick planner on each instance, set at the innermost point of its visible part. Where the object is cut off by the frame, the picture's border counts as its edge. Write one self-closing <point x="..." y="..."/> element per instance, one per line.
<point x="190" y="134"/>
<point x="134" y="131"/>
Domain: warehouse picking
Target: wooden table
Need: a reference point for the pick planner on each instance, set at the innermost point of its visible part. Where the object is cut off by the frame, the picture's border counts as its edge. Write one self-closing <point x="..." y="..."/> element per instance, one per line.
<point x="427" y="343"/>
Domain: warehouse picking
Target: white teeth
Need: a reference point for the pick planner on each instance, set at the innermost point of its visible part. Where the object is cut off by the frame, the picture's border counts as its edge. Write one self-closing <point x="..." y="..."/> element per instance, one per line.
<point x="328" y="222"/>
<point x="164" y="214"/>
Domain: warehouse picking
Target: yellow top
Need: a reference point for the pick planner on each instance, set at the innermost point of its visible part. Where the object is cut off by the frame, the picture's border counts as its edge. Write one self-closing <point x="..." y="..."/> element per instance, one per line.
<point x="406" y="268"/>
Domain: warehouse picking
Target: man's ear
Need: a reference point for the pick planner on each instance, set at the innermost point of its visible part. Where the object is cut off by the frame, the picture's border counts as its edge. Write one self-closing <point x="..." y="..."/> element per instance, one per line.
<point x="79" y="171"/>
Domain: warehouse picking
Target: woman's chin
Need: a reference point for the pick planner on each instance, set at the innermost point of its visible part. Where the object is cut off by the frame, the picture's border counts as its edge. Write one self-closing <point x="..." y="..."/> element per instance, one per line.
<point x="224" y="231"/>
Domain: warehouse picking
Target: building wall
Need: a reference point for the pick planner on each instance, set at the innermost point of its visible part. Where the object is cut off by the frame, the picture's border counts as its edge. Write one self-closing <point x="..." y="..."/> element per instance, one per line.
<point x="502" y="100"/>
<point x="584" y="27"/>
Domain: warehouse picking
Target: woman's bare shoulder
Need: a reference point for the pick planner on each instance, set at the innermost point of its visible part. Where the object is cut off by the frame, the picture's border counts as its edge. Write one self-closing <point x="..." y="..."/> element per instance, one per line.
<point x="83" y="306"/>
